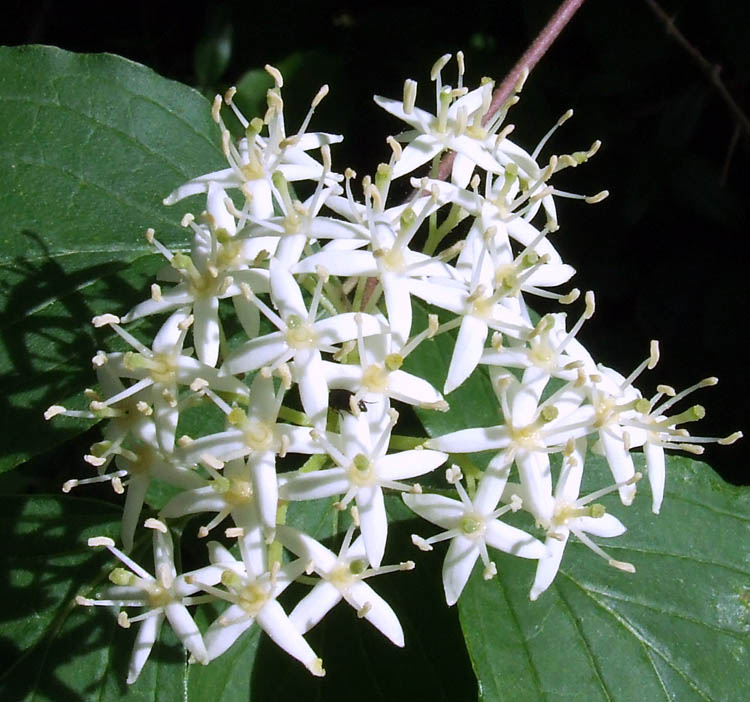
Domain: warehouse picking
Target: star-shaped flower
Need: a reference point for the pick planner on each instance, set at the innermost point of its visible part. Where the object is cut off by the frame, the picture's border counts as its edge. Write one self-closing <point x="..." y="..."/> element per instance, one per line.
<point x="342" y="577"/>
<point x="472" y="524"/>
<point x="252" y="597"/>
<point x="362" y="471"/>
<point x="167" y="595"/>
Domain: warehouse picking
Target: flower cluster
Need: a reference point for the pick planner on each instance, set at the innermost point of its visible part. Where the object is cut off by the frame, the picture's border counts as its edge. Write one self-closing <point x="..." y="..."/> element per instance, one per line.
<point x="284" y="330"/>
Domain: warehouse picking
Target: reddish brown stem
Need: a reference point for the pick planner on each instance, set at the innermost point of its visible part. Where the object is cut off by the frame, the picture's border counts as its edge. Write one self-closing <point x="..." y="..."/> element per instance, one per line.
<point x="530" y="58"/>
<point x="533" y="54"/>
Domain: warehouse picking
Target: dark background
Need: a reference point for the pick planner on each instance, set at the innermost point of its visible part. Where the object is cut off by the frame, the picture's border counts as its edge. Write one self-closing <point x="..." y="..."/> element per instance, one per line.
<point x="663" y="253"/>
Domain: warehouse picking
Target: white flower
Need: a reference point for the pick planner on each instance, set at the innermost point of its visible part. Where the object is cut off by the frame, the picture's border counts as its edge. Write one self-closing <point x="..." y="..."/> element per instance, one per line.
<point x="571" y="514"/>
<point x="378" y="376"/>
<point x="531" y="430"/>
<point x="472" y="525"/>
<point x="362" y="471"/>
<point x="166" y="595"/>
<point x="217" y="268"/>
<point x="390" y="259"/>
<point x="163" y="368"/>
<point x="253" y="600"/>
<point x="255" y="159"/>
<point x="300" y="338"/>
<point x="456" y="125"/>
<point x="342" y="576"/>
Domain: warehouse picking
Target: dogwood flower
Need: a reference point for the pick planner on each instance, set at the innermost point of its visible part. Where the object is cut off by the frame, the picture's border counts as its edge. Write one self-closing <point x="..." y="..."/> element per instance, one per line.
<point x="163" y="368"/>
<point x="362" y="471"/>
<point x="456" y="125"/>
<point x="167" y="595"/>
<point x="252" y="597"/>
<point x="342" y="577"/>
<point x="218" y="267"/>
<point x="472" y="524"/>
<point x="254" y="160"/>
<point x="568" y="513"/>
<point x="300" y="338"/>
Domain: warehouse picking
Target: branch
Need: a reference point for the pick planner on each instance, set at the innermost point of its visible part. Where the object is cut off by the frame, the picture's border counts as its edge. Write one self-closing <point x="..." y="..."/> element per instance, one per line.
<point x="711" y="71"/>
<point x="524" y="65"/>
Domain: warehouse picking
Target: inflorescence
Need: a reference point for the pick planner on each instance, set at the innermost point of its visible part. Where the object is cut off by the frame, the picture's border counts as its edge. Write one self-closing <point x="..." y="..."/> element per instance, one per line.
<point x="299" y="312"/>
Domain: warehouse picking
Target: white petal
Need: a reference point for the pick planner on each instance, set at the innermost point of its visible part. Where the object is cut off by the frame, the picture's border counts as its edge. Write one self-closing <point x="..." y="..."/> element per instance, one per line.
<point x="449" y="295"/>
<point x="412" y="389"/>
<point x="343" y="327"/>
<point x="285" y="291"/>
<point x="144" y="642"/>
<point x="169" y="334"/>
<point x="165" y="415"/>
<point x="409" y="464"/>
<point x="312" y="486"/>
<point x="440" y="510"/>
<point x="417" y="153"/>
<point x="134" y="496"/>
<point x="313" y="390"/>
<point x="606" y="525"/>
<point x="354" y="263"/>
<point x="204" y="499"/>
<point x="620" y="463"/>
<point x="273" y="620"/>
<point x="467" y="352"/>
<point x="248" y="315"/>
<point x="517" y="542"/>
<point x="378" y="611"/>
<point x="491" y="486"/>
<point x="206" y="329"/>
<point x="536" y="477"/>
<point x="656" y="473"/>
<point x="417" y="118"/>
<point x="256" y="354"/>
<point x="398" y="304"/>
<point x="459" y="562"/>
<point x="307" y="548"/>
<point x="218" y="638"/>
<point x="471" y="440"/>
<point x="187" y="630"/>
<point x="314" y="606"/>
<point x="548" y="566"/>
<point x="371" y="506"/>
<point x="174" y="297"/>
<point x="265" y="486"/>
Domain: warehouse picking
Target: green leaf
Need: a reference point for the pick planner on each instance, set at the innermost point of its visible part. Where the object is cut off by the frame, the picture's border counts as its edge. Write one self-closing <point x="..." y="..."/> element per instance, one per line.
<point x="677" y="629"/>
<point x="89" y="147"/>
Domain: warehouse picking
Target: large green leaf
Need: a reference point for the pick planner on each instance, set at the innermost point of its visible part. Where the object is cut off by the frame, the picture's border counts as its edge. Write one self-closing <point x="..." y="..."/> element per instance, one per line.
<point x="90" y="145"/>
<point x="678" y="629"/>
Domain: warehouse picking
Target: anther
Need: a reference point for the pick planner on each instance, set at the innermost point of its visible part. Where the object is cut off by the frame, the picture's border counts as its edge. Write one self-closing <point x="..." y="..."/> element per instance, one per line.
<point x="275" y="73"/>
<point x="102" y="320"/>
<point x="319" y="96"/>
<point x="216" y="109"/>
<point x="726" y="441"/>
<point x="438" y="66"/>
<point x="96" y="541"/>
<point x="53" y="411"/>
<point x="593" y="199"/>
<point x="420" y="543"/>
<point x="156" y="524"/>
<point x="653" y="355"/>
<point x="590" y="305"/>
